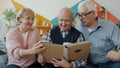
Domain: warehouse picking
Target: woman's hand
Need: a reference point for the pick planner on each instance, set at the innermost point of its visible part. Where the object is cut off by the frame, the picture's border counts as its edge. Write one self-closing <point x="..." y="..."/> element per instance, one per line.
<point x="61" y="63"/>
<point x="114" y="56"/>
<point x="37" y="48"/>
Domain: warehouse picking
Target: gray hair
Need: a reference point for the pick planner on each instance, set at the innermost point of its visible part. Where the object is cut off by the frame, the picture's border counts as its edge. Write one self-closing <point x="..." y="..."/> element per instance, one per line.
<point x="22" y="12"/>
<point x="87" y="3"/>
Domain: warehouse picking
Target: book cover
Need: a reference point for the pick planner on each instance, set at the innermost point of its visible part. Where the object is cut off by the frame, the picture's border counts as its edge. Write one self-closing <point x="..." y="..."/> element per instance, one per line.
<point x="71" y="51"/>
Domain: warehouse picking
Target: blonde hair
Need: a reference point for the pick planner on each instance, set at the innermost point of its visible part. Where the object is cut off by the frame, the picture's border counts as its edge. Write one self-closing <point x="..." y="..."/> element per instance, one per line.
<point x="22" y="12"/>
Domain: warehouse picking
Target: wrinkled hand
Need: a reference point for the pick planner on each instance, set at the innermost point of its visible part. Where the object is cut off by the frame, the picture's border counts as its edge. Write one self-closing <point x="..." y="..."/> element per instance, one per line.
<point x="61" y="63"/>
<point x="40" y="59"/>
<point x="37" y="48"/>
<point x="113" y="55"/>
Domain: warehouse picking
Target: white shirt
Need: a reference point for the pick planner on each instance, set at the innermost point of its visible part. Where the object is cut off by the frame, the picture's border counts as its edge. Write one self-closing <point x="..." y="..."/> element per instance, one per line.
<point x="64" y="34"/>
<point x="90" y="30"/>
<point x="25" y="35"/>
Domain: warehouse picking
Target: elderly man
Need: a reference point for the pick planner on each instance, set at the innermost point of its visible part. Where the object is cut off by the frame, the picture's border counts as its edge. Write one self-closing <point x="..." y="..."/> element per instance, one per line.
<point x="64" y="32"/>
<point x="103" y="34"/>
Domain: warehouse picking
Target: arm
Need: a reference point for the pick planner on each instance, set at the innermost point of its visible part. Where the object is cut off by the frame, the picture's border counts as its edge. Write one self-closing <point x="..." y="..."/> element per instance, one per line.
<point x="65" y="64"/>
<point x="37" y="48"/>
<point x="61" y="63"/>
<point x="115" y="38"/>
<point x="15" y="47"/>
<point x="36" y="45"/>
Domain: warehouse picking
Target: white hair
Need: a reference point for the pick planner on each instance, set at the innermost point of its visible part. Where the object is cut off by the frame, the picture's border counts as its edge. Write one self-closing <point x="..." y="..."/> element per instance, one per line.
<point x="87" y="3"/>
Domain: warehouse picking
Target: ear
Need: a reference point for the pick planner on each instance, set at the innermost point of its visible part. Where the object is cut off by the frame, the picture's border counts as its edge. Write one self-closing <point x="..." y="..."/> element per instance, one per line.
<point x="94" y="12"/>
<point x="18" y="19"/>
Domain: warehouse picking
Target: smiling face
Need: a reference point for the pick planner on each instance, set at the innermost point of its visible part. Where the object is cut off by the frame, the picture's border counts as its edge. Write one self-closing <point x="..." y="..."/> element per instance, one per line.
<point x="65" y="19"/>
<point x="26" y="20"/>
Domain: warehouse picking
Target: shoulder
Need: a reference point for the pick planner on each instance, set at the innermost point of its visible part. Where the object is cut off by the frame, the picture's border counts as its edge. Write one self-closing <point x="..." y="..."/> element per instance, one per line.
<point x="12" y="31"/>
<point x="34" y="29"/>
<point x="108" y="26"/>
<point x="107" y="23"/>
<point x="55" y="29"/>
<point x="75" y="30"/>
<point x="79" y="26"/>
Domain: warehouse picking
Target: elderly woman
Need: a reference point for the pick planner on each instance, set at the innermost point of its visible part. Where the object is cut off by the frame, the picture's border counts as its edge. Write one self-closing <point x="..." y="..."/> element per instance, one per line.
<point x="23" y="42"/>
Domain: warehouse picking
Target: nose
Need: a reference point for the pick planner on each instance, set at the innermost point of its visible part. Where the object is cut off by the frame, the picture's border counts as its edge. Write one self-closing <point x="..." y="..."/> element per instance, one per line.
<point x="30" y="23"/>
<point x="31" y="19"/>
<point x="82" y="17"/>
<point x="63" y="23"/>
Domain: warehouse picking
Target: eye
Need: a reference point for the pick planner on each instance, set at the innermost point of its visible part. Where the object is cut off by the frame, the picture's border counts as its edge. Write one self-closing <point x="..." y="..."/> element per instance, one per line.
<point x="60" y="20"/>
<point x="67" y="20"/>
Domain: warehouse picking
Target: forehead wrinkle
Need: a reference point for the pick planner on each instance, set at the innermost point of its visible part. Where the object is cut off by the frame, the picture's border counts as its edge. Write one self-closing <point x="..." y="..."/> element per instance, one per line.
<point x="65" y="12"/>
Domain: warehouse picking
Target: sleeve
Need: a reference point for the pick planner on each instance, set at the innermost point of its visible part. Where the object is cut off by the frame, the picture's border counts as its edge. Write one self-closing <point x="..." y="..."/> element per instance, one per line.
<point x="79" y="63"/>
<point x="13" y="45"/>
<point x="115" y="36"/>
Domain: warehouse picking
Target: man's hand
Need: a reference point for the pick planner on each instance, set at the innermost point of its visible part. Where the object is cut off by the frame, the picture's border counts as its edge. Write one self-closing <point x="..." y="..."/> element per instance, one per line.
<point x="40" y="59"/>
<point x="61" y="63"/>
<point x="114" y="56"/>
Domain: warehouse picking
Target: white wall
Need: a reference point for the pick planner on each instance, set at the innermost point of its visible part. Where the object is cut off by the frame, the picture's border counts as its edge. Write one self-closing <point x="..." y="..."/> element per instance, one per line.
<point x="50" y="8"/>
<point x="47" y="8"/>
<point x="3" y="4"/>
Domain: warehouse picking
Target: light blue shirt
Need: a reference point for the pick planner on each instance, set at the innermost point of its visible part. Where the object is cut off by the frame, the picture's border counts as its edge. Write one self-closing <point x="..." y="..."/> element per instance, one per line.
<point x="104" y="37"/>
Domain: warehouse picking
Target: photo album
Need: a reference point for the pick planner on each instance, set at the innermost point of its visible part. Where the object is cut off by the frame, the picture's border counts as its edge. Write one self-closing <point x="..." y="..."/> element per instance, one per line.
<point x="70" y="51"/>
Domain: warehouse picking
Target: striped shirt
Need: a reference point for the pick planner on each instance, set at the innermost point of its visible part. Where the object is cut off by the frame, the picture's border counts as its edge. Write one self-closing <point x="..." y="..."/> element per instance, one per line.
<point x="104" y="37"/>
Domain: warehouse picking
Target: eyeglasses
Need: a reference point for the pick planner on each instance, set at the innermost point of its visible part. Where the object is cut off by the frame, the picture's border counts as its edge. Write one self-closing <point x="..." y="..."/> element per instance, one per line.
<point x="83" y="15"/>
